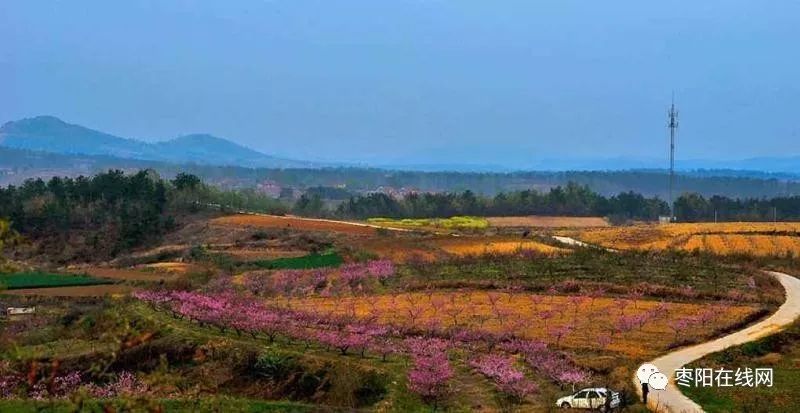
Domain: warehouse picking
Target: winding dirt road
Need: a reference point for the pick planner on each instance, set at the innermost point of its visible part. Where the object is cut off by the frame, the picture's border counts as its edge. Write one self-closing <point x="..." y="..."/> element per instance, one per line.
<point x="672" y="400"/>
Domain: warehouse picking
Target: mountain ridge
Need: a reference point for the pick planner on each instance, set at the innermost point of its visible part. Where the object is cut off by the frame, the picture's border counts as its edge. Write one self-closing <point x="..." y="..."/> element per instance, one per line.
<point x="50" y="134"/>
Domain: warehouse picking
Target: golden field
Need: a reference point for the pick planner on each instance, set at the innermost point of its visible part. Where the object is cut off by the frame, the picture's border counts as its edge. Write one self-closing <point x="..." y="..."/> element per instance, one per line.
<point x="291" y="222"/>
<point x="479" y="246"/>
<point x="754" y="238"/>
<point x="521" y="312"/>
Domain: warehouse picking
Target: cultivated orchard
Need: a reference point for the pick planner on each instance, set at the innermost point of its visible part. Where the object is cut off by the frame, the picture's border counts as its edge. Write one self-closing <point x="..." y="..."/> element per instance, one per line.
<point x="512" y="338"/>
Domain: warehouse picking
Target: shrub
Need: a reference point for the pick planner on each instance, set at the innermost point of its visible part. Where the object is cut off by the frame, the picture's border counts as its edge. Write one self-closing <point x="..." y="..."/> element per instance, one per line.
<point x="274" y="366"/>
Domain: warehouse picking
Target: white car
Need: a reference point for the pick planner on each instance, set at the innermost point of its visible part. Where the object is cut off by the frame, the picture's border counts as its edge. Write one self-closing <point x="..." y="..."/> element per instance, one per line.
<point x="592" y="398"/>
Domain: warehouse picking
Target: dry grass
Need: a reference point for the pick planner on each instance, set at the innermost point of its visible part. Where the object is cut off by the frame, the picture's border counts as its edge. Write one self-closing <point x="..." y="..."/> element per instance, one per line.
<point x="296" y="223"/>
<point x="403" y="249"/>
<point x="548" y="222"/>
<point x="522" y="314"/>
<point x="400" y="250"/>
<point x="251" y="254"/>
<point x="478" y="246"/>
<point x="760" y="245"/>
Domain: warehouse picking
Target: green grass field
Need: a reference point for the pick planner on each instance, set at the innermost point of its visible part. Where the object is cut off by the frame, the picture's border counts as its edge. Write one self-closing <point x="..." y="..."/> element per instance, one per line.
<point x="35" y="279"/>
<point x="331" y="259"/>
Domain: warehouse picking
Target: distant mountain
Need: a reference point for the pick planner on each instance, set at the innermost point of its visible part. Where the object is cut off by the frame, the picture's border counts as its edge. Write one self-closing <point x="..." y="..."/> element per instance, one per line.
<point x="50" y="134"/>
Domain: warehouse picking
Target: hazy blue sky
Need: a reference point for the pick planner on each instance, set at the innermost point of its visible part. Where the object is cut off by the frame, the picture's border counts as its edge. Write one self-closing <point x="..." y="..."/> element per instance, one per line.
<point x="415" y="81"/>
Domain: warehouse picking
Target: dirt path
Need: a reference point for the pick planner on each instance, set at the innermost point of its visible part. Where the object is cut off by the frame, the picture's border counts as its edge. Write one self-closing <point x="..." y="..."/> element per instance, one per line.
<point x="570" y="241"/>
<point x="575" y="243"/>
<point x="75" y="291"/>
<point x="672" y="400"/>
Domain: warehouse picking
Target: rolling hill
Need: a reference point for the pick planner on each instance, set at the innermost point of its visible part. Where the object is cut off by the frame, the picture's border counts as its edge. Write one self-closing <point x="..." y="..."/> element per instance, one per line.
<point x="51" y="134"/>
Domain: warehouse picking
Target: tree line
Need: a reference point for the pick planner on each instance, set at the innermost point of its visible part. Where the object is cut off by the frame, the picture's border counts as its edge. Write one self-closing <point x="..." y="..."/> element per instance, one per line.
<point x="697" y="208"/>
<point x="110" y="212"/>
<point x="113" y="211"/>
<point x="569" y="200"/>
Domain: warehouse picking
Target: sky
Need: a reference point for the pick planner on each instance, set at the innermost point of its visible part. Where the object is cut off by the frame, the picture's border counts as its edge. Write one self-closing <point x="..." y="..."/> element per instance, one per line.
<point x="417" y="81"/>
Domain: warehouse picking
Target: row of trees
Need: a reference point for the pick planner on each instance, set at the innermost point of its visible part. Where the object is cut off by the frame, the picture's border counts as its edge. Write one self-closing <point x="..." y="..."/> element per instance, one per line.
<point x="570" y="200"/>
<point x="696" y="208"/>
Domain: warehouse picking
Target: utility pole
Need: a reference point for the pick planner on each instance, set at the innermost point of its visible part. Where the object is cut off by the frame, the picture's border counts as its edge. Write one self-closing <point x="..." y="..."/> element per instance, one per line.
<point x="673" y="127"/>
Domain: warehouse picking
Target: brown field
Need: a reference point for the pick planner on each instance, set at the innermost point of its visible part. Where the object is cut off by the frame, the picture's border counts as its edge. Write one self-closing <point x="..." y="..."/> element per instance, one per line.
<point x="478" y="246"/>
<point x="754" y="238"/>
<point x="128" y="274"/>
<point x="251" y="254"/>
<point x="400" y="249"/>
<point x="290" y="222"/>
<point x="75" y="291"/>
<point x="519" y="312"/>
<point x="435" y="248"/>
<point x="547" y="221"/>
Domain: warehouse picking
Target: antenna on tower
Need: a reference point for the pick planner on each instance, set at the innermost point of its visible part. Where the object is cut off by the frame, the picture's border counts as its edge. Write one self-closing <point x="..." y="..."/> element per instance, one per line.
<point x="673" y="128"/>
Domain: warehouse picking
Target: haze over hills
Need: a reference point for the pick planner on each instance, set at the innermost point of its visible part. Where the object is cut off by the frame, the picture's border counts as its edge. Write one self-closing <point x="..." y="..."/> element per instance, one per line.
<point x="50" y="134"/>
<point x="53" y="135"/>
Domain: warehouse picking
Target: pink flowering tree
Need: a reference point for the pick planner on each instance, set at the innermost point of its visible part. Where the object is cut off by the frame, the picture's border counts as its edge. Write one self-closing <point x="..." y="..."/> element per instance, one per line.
<point x="573" y="376"/>
<point x="431" y="370"/>
<point x="506" y="377"/>
<point x="678" y="326"/>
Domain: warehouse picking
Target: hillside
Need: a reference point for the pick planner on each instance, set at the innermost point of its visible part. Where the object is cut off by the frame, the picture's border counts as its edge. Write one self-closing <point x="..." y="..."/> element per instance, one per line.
<point x="50" y="134"/>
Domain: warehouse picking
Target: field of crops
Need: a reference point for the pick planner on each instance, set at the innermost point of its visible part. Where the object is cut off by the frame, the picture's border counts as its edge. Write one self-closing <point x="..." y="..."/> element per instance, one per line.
<point x="446" y="223"/>
<point x="479" y="246"/>
<point x="636" y="328"/>
<point x="540" y="221"/>
<point x="43" y="279"/>
<point x="754" y="238"/>
<point x="330" y="259"/>
<point x="288" y="222"/>
<point x="459" y="316"/>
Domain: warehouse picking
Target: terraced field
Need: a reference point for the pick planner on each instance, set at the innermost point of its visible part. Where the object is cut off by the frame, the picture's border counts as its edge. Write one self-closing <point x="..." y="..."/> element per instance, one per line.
<point x="750" y="238"/>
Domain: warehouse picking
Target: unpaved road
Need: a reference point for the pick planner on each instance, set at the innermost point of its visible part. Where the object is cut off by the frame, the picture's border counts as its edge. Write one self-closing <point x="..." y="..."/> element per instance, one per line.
<point x="672" y="400"/>
<point x="570" y="241"/>
<point x="75" y="291"/>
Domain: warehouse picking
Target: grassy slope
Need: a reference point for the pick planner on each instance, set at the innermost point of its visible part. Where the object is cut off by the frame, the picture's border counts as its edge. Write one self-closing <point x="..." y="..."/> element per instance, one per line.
<point x="780" y="352"/>
<point x="397" y="398"/>
<point x="215" y="404"/>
